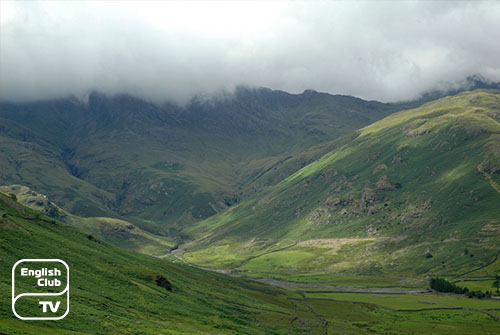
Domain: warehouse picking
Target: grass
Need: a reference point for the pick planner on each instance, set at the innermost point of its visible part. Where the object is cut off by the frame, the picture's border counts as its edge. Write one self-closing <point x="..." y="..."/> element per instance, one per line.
<point x="350" y="318"/>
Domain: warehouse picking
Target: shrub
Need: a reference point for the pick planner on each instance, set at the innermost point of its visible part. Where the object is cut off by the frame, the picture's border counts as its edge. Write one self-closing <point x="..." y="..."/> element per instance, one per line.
<point x="163" y="282"/>
<point x="478" y="294"/>
<point x="496" y="284"/>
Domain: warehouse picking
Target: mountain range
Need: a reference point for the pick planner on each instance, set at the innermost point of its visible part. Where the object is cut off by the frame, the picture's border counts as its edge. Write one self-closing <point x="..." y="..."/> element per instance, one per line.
<point x="328" y="198"/>
<point x="165" y="167"/>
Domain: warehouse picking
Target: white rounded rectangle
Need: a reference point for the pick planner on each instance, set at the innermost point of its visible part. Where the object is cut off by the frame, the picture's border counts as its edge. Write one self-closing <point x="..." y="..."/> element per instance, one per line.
<point x="65" y="291"/>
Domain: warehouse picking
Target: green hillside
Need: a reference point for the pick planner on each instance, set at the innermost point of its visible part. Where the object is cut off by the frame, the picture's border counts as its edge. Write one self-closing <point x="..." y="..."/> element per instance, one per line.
<point x="114" y="291"/>
<point x="416" y="193"/>
<point x="164" y="166"/>
<point x="116" y="231"/>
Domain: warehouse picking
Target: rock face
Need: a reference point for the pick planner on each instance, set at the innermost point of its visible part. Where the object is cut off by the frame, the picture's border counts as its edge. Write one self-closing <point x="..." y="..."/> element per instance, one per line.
<point x="385" y="184"/>
<point x="319" y="216"/>
<point x="379" y="168"/>
<point x="397" y="160"/>
<point x="333" y="202"/>
<point x="417" y="133"/>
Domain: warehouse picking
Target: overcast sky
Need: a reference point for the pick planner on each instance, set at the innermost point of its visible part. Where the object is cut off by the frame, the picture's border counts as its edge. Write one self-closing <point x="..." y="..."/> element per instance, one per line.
<point x="158" y="50"/>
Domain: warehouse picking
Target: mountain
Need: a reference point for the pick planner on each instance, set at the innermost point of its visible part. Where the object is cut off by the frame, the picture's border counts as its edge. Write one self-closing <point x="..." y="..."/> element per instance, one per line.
<point x="164" y="167"/>
<point x="116" y="291"/>
<point x="413" y="194"/>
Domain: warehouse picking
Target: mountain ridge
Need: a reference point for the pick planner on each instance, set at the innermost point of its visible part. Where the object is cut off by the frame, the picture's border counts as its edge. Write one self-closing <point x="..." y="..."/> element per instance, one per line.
<point x="164" y="167"/>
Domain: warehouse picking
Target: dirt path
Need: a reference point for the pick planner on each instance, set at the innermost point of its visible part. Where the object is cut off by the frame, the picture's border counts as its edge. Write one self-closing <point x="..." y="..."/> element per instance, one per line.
<point x="266" y="253"/>
<point x="493" y="184"/>
<point x="174" y="251"/>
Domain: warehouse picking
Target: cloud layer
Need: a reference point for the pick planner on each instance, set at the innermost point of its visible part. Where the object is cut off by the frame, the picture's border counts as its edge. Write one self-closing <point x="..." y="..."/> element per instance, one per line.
<point x="160" y="51"/>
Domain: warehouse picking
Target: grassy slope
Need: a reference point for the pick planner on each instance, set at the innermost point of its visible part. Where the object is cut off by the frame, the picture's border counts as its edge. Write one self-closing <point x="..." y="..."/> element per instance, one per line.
<point x="27" y="159"/>
<point x="116" y="231"/>
<point x="417" y="182"/>
<point x="112" y="291"/>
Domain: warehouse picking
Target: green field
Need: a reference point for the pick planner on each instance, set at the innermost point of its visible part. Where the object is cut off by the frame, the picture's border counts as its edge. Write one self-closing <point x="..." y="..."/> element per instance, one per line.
<point x="411" y="301"/>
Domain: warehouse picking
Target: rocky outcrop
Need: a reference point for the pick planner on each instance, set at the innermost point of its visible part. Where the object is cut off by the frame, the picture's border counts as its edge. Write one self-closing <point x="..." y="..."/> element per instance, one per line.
<point x="417" y="133"/>
<point x="379" y="168"/>
<point x="397" y="160"/>
<point x="368" y="198"/>
<point x="385" y="184"/>
<point x="319" y="216"/>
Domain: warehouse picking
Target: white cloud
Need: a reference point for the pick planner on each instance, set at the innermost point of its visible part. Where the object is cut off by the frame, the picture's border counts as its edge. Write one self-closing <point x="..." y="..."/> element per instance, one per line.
<point x="172" y="50"/>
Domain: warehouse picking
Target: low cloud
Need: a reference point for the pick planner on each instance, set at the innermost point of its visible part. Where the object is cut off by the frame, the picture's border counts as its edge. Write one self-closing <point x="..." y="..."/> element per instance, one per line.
<point x="161" y="51"/>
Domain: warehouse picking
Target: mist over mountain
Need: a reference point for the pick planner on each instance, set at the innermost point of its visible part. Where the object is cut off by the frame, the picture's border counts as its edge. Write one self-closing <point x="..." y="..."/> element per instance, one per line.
<point x="470" y="83"/>
<point x="383" y="51"/>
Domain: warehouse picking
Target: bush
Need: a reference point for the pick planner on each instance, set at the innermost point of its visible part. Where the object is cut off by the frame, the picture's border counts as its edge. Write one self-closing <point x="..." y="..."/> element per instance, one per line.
<point x="496" y="284"/>
<point x="163" y="282"/>
<point x="479" y="294"/>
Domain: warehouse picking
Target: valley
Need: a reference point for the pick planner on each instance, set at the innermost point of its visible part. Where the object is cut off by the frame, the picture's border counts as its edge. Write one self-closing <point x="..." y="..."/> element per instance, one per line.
<point x="249" y="167"/>
<point x="335" y="236"/>
<point x="130" y="299"/>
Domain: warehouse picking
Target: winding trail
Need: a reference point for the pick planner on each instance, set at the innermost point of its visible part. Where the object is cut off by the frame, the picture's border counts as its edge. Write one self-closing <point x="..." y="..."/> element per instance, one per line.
<point x="481" y="267"/>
